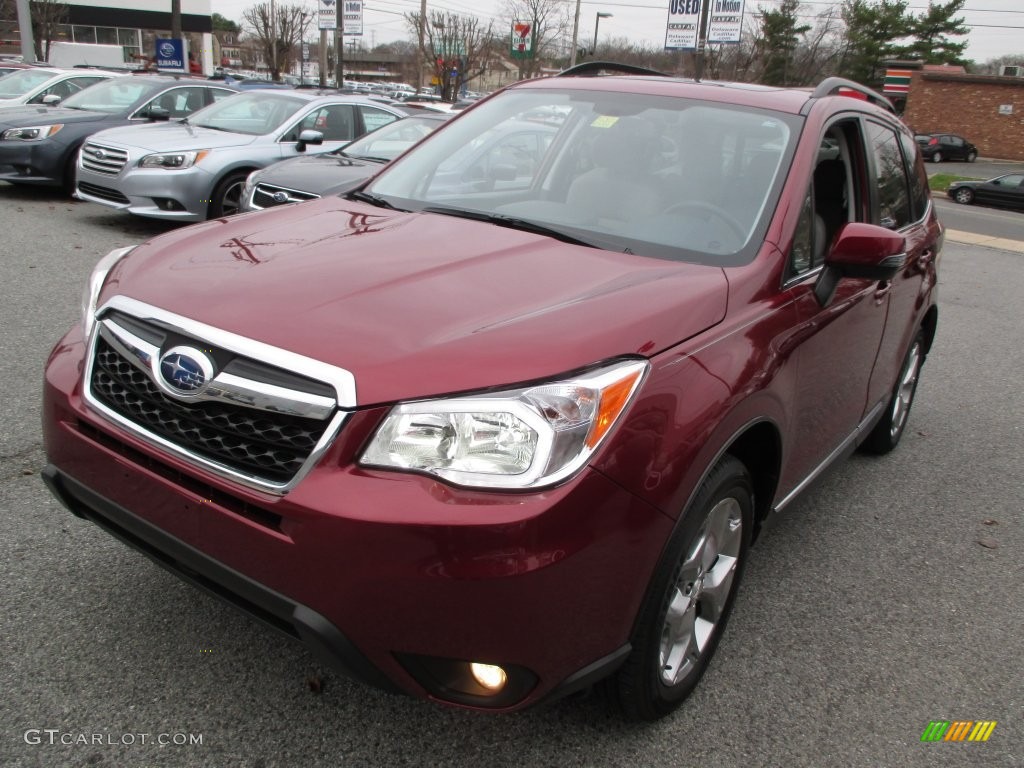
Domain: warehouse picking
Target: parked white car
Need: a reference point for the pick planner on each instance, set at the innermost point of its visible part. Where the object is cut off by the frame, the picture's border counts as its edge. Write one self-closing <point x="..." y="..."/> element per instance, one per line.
<point x="47" y="85"/>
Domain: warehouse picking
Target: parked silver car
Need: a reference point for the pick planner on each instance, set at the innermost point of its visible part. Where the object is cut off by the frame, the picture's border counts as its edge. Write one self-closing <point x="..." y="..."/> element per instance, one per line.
<point x="196" y="168"/>
<point x="47" y="85"/>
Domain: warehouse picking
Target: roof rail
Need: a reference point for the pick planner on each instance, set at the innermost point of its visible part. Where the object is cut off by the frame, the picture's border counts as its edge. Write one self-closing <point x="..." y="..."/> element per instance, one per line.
<point x="830" y="85"/>
<point x="594" y="68"/>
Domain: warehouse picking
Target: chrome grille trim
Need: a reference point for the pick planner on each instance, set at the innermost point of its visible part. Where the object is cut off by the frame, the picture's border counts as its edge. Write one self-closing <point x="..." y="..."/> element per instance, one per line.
<point x="262" y="196"/>
<point x="145" y="356"/>
<point x="102" y="159"/>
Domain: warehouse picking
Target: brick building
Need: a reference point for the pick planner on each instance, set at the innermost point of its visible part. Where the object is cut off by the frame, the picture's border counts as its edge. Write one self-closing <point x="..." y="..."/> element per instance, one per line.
<point x="988" y="110"/>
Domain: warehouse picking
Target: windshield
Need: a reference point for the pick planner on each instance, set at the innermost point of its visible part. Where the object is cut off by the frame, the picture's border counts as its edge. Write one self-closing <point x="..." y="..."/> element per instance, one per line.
<point x="20" y="83"/>
<point x="391" y="140"/>
<point x="115" y="95"/>
<point x="662" y="176"/>
<point x="255" y="113"/>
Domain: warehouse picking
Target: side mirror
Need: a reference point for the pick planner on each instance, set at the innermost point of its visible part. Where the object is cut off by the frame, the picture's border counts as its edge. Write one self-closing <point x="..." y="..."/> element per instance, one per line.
<point x="51" y="100"/>
<point x="864" y="251"/>
<point x="158" y="113"/>
<point x="502" y="172"/>
<point x="309" y="137"/>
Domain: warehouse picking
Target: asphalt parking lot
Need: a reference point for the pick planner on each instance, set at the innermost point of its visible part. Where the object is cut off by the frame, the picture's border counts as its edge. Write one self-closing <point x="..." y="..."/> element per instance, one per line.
<point x="889" y="596"/>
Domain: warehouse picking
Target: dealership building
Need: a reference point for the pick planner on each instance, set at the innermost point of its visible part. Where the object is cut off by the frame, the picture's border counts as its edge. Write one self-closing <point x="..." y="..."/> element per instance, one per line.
<point x="132" y="24"/>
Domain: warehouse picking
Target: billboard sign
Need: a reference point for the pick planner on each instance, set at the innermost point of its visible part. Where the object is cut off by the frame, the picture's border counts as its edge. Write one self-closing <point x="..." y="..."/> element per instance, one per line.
<point x="353" y="21"/>
<point x="327" y="14"/>
<point x="726" y="21"/>
<point x="683" y="22"/>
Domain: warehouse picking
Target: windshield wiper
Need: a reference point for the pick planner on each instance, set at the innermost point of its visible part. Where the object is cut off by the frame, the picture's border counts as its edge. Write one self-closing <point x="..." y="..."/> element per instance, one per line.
<point x="511" y="222"/>
<point x="368" y="197"/>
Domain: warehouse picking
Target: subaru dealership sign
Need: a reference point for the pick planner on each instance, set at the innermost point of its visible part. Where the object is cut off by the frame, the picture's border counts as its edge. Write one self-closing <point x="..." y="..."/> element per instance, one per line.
<point x="170" y="55"/>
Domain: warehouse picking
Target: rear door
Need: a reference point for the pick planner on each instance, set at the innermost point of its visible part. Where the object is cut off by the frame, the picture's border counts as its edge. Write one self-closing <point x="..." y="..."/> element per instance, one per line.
<point x="902" y="202"/>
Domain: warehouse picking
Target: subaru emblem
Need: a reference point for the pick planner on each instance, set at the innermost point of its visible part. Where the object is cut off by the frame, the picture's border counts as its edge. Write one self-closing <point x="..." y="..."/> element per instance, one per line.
<point x="185" y="371"/>
<point x="280" y="197"/>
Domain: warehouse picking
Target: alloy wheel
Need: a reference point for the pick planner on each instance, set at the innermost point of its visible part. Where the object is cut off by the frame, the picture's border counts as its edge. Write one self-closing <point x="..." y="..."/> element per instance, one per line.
<point x="905" y="390"/>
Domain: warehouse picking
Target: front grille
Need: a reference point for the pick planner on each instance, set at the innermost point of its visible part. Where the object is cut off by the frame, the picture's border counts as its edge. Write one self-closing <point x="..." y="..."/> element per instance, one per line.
<point x="106" y="160"/>
<point x="263" y="196"/>
<point x="270" y="447"/>
<point x="105" y="193"/>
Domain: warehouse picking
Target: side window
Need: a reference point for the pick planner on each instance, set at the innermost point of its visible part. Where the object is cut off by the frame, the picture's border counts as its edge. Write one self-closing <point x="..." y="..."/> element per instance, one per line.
<point x="893" y="197"/>
<point x="919" y="192"/>
<point x="335" y="121"/>
<point x="179" y="102"/>
<point x="220" y="93"/>
<point x="374" y="118"/>
<point x="1013" y="180"/>
<point x="801" y="255"/>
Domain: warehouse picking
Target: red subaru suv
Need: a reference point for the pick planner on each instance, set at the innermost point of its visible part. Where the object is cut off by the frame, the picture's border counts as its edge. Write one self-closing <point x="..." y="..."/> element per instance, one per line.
<point x="504" y="421"/>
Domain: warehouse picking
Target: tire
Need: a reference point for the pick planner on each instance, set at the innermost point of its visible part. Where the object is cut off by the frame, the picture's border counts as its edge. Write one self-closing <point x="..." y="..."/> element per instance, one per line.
<point x="937" y="157"/>
<point x="887" y="433"/>
<point x="682" y="618"/>
<point x="972" y="156"/>
<point x="67" y="183"/>
<point x="964" y="196"/>
<point x="227" y="196"/>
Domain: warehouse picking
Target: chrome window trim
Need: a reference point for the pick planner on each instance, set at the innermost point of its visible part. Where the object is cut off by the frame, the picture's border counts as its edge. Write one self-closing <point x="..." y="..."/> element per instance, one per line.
<point x="341" y="380"/>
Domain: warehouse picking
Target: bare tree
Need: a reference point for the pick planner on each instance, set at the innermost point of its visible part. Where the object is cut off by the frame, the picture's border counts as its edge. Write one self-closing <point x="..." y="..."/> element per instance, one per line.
<point x="285" y="39"/>
<point x="549" y="21"/>
<point x="457" y="48"/>
<point x="47" y="16"/>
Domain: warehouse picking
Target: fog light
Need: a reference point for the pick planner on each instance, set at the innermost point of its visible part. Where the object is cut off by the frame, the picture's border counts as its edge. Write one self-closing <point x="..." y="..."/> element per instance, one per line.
<point x="491" y="677"/>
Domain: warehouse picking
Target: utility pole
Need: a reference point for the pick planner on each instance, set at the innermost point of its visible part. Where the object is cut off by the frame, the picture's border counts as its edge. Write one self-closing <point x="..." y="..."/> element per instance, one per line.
<point x="273" y="40"/>
<point x="28" y="47"/>
<point x="339" y="47"/>
<point x="323" y="58"/>
<point x="423" y="53"/>
<point x="575" y="35"/>
<point x="702" y="40"/>
<point x="176" y="19"/>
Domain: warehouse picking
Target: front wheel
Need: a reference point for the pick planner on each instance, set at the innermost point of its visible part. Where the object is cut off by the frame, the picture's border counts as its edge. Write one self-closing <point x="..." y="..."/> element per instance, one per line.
<point x="972" y="156"/>
<point x="937" y="157"/>
<point x="227" y="196"/>
<point x="690" y="596"/>
<point x="964" y="196"/>
<point x="887" y="433"/>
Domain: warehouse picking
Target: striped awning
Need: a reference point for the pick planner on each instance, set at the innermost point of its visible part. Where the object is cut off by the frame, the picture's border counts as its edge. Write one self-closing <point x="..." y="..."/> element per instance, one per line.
<point x="896" y="81"/>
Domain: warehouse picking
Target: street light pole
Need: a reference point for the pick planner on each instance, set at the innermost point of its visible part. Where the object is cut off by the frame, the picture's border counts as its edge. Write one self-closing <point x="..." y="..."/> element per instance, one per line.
<point x="597" y="24"/>
<point x="273" y="40"/>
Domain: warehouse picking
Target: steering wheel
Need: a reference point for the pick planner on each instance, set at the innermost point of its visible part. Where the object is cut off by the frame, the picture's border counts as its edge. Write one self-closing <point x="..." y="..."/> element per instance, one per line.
<point x="714" y="210"/>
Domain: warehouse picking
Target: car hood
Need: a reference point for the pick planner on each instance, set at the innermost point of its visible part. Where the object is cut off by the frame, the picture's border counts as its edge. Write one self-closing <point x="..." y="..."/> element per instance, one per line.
<point x="317" y="173"/>
<point x="172" y="137"/>
<point x="15" y="117"/>
<point x="417" y="304"/>
<point x="960" y="184"/>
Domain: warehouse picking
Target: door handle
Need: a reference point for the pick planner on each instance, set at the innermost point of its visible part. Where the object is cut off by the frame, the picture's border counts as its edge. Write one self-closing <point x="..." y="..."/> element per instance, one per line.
<point x="882" y="291"/>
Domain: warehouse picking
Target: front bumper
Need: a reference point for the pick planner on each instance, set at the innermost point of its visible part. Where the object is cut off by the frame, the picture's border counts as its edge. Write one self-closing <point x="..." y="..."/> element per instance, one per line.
<point x="145" y="191"/>
<point x="371" y="569"/>
<point x="32" y="162"/>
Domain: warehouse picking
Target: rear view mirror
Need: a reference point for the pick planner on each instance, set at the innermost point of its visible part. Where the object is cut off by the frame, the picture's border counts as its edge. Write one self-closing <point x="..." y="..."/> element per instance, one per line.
<point x="864" y="251"/>
<point x="158" y="113"/>
<point x="503" y="172"/>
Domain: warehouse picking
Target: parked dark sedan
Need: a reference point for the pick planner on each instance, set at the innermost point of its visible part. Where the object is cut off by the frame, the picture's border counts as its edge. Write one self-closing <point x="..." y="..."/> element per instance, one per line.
<point x="39" y="144"/>
<point x="307" y="178"/>
<point x="936" y="147"/>
<point x="1005" y="191"/>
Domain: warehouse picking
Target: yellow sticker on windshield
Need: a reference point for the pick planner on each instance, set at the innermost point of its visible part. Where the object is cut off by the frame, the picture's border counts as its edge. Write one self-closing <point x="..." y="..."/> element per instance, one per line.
<point x="604" y="121"/>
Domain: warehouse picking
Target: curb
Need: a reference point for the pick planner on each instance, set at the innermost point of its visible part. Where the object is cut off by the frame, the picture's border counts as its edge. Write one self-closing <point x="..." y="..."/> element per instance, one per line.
<point x="971" y="238"/>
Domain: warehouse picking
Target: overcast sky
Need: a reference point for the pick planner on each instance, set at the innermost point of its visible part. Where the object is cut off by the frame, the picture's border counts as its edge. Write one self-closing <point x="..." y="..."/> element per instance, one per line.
<point x="997" y="26"/>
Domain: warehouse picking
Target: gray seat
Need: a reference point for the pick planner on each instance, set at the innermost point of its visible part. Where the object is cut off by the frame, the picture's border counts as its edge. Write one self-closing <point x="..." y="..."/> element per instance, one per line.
<point x="620" y="188"/>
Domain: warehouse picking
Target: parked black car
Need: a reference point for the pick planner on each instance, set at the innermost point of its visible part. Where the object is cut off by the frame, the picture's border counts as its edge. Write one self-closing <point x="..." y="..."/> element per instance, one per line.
<point x="312" y="176"/>
<point x="1005" y="191"/>
<point x="39" y="144"/>
<point x="936" y="147"/>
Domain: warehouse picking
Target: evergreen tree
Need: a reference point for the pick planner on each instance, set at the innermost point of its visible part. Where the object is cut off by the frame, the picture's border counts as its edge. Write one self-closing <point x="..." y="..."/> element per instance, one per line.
<point x="931" y="31"/>
<point x="780" y="35"/>
<point x="873" y="34"/>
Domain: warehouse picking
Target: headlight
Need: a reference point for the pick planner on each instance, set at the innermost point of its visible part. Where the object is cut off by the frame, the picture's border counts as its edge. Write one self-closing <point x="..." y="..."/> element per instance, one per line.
<point x="523" y="438"/>
<point x="250" y="184"/>
<point x="173" y="161"/>
<point x="92" y="289"/>
<point x="35" y="133"/>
